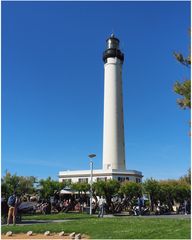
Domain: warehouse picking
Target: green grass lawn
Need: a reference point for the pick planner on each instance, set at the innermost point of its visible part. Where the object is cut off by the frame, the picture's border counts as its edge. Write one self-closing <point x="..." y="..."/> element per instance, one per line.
<point x="108" y="228"/>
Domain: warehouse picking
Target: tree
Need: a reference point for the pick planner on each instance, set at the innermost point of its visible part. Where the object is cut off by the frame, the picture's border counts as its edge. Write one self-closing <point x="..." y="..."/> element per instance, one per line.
<point x="187" y="177"/>
<point x="182" y="192"/>
<point x="131" y="190"/>
<point x="47" y="187"/>
<point x="152" y="187"/>
<point x="22" y="185"/>
<point x="184" y="88"/>
<point x="99" y="188"/>
<point x="82" y="188"/>
<point x="167" y="192"/>
<point x="172" y="191"/>
<point x="107" y="189"/>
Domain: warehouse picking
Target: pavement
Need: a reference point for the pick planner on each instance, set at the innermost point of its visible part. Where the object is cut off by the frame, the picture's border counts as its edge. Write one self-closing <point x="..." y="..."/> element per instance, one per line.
<point x="172" y="216"/>
<point x="30" y="222"/>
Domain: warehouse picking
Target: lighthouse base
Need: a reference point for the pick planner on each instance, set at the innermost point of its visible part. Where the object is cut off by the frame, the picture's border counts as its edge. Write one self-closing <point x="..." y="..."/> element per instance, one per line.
<point x="100" y="174"/>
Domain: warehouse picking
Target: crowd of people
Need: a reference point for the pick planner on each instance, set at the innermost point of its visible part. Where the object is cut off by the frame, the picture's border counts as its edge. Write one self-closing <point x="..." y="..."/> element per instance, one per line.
<point x="14" y="206"/>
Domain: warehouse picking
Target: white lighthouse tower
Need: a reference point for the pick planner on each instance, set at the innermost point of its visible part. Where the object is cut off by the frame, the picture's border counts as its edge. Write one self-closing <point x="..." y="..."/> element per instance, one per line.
<point x="114" y="166"/>
<point x="113" y="130"/>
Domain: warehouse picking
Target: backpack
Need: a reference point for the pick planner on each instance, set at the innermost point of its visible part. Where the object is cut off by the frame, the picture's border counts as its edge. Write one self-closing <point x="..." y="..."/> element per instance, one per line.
<point x="11" y="201"/>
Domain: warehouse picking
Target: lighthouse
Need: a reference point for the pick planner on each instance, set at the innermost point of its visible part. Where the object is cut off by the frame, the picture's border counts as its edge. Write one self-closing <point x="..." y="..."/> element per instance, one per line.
<point x="113" y="126"/>
<point x="113" y="161"/>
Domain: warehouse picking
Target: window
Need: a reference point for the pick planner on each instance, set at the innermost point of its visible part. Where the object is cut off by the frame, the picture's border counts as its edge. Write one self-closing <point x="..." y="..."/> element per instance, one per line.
<point x="121" y="179"/>
<point x="83" y="180"/>
<point x="138" y="180"/>
<point x="102" y="179"/>
<point x="67" y="181"/>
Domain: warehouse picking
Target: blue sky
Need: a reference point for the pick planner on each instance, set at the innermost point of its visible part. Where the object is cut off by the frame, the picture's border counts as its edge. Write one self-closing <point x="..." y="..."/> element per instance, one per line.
<point x="52" y="85"/>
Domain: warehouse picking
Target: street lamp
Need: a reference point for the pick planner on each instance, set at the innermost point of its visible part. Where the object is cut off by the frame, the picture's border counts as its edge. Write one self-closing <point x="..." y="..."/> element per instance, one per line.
<point x="91" y="179"/>
<point x="185" y="205"/>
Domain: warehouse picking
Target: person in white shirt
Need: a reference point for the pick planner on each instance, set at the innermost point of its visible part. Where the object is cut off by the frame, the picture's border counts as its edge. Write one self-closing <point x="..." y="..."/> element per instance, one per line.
<point x="101" y="203"/>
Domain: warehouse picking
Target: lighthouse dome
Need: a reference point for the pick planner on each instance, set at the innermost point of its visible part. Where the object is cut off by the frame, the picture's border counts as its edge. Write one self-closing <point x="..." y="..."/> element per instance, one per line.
<point x="112" y="49"/>
<point x="112" y="42"/>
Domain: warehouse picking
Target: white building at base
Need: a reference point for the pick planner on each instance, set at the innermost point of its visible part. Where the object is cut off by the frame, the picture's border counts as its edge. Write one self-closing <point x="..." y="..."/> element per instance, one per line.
<point x="114" y="166"/>
<point x="84" y="175"/>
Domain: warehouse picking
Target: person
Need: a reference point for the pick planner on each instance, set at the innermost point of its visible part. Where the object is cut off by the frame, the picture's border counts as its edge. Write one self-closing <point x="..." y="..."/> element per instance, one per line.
<point x="141" y="205"/>
<point x="136" y="210"/>
<point x="101" y="204"/>
<point x="12" y="203"/>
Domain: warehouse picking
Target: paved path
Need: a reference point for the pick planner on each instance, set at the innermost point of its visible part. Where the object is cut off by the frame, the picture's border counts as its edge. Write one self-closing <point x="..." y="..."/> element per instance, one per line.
<point x="173" y="216"/>
<point x="176" y="216"/>
<point x="30" y="222"/>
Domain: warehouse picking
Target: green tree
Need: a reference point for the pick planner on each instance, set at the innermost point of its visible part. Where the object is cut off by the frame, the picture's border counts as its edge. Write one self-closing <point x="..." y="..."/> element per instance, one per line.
<point x="167" y="191"/>
<point x="22" y="185"/>
<point x="99" y="188"/>
<point x="173" y="191"/>
<point x="187" y="177"/>
<point x="82" y="189"/>
<point x="182" y="192"/>
<point x="152" y="187"/>
<point x="131" y="190"/>
<point x="47" y="187"/>
<point x="184" y="88"/>
<point x="107" y="189"/>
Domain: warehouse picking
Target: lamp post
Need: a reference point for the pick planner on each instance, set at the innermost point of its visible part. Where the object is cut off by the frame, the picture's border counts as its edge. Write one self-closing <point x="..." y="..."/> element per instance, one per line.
<point x="185" y="205"/>
<point x="91" y="179"/>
